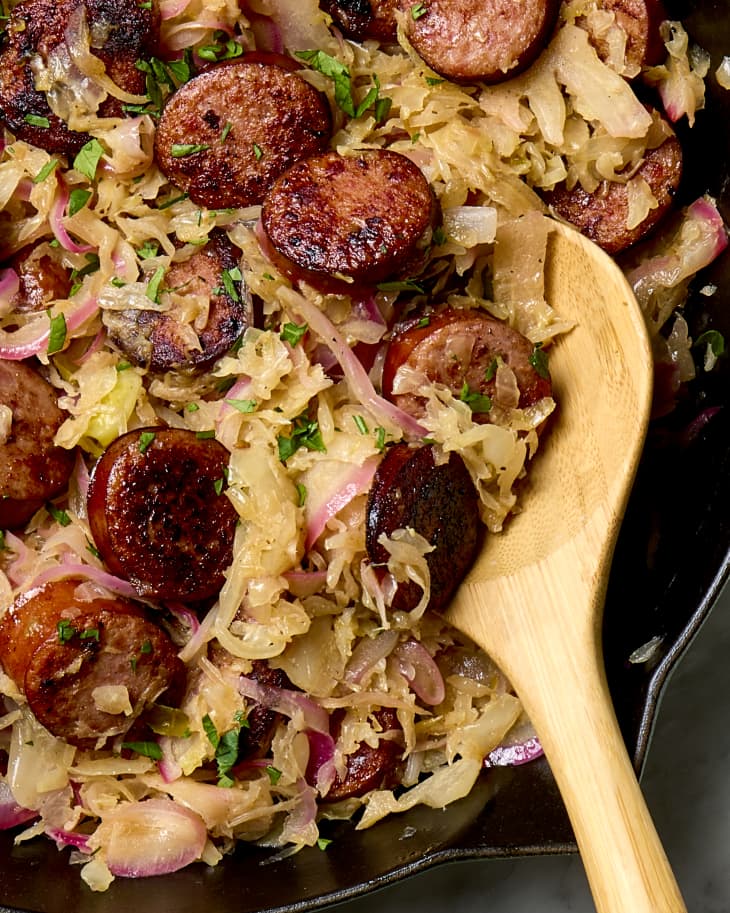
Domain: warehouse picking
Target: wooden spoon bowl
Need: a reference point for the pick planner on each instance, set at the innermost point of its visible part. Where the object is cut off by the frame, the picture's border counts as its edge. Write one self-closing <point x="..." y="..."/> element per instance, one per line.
<point x="534" y="599"/>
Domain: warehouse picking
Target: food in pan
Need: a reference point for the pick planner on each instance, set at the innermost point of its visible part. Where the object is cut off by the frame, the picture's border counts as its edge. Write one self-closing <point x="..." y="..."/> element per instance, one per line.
<point x="274" y="359"/>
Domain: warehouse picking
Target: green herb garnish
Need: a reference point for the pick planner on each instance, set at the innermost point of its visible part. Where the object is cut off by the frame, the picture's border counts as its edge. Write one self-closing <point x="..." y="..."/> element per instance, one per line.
<point x="57" y="333"/>
<point x="88" y="158"/>
<point x="477" y="402"/>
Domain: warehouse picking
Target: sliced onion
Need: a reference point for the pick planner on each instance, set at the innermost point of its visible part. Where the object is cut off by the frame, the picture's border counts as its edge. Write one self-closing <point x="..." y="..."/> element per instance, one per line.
<point x="154" y="837"/>
<point x="361" y="386"/>
<point x="171" y="8"/>
<point x="32" y="339"/>
<point x="344" y="481"/>
<point x="417" y="666"/>
<point x="12" y="814"/>
<point x="106" y="580"/>
<point x="168" y="766"/>
<point x="520" y="745"/>
<point x="368" y="653"/>
<point x="69" y="838"/>
<point x="56" y="218"/>
<point x="266" y="33"/>
<point x="321" y="765"/>
<point x="283" y="700"/>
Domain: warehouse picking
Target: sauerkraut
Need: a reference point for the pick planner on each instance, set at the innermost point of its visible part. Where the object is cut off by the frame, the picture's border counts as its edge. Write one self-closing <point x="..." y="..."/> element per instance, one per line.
<point x="301" y="591"/>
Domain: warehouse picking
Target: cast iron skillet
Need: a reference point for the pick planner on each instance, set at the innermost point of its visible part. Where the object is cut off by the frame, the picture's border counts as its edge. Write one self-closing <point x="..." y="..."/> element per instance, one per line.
<point x="671" y="560"/>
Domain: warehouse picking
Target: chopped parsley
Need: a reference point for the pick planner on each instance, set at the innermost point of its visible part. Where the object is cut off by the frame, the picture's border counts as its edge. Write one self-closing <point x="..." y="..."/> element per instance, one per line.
<point x="274" y="773"/>
<point x="90" y="634"/>
<point x="323" y="842"/>
<point x="205" y="435"/>
<point x="88" y="158"/>
<point x="229" y="278"/>
<point x="47" y="169"/>
<point x="301" y="494"/>
<point x="65" y="630"/>
<point x="477" y="402"/>
<point x="293" y="332"/>
<point x="57" y="333"/>
<point x="305" y="433"/>
<point x="223" y="48"/>
<point x="154" y="285"/>
<point x="539" y="361"/>
<point x="258" y="152"/>
<point x="360" y="424"/>
<point x="148" y="249"/>
<point x="226" y="130"/>
<point x="161" y="78"/>
<point x="145" y="439"/>
<point x="60" y="516"/>
<point x="90" y="547"/>
<point x="491" y="371"/>
<point x="245" y="406"/>
<point x="92" y="265"/>
<point x="340" y="75"/>
<point x="148" y="749"/>
<point x="77" y="199"/>
<point x="225" y="745"/>
<point x="180" y="150"/>
<point x="37" y="120"/>
<point x="418" y="10"/>
<point x="380" y="438"/>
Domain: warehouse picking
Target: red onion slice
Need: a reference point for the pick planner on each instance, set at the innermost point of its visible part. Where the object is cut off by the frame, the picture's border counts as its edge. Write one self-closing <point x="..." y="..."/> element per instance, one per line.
<point x="32" y="339"/>
<point x="96" y="575"/>
<point x="284" y="700"/>
<point x="69" y="838"/>
<point x="360" y="384"/>
<point x="12" y="814"/>
<point x="154" y="837"/>
<point x="520" y="745"/>
<point x="417" y="665"/>
<point x="9" y="285"/>
<point x="346" y="481"/>
<point x="321" y="765"/>
<point x="56" y="218"/>
<point x="367" y="653"/>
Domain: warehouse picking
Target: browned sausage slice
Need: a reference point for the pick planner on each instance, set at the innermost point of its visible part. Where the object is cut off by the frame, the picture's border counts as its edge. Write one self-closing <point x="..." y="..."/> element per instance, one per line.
<point x="361" y="218"/>
<point x="229" y="132"/>
<point x="640" y="20"/>
<point x="439" y="501"/>
<point x="32" y="468"/>
<point x="370" y="767"/>
<point x="159" y="514"/>
<point x="361" y="19"/>
<point x="461" y="349"/>
<point x="160" y="341"/>
<point x="479" y="40"/>
<point x="43" y="278"/>
<point x="602" y="215"/>
<point x="130" y="30"/>
<point x="60" y="644"/>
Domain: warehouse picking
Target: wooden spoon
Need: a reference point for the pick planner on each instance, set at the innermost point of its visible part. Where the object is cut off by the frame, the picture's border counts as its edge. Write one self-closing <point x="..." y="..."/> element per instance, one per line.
<point x="534" y="599"/>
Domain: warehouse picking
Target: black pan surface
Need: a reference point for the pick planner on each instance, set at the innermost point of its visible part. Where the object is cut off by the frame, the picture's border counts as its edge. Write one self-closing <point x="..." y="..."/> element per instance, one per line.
<point x="672" y="558"/>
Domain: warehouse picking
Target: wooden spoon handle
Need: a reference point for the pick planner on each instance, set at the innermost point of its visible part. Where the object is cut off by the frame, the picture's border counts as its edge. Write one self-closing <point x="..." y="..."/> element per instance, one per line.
<point x="624" y="860"/>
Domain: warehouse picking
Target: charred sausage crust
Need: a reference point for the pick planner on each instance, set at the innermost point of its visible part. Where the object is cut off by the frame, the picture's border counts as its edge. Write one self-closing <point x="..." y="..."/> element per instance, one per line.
<point x="159" y="515"/>
<point x="155" y="339"/>
<point x="275" y="119"/>
<point x="365" y="217"/>
<point x="122" y="32"/>
<point x="361" y="19"/>
<point x="437" y="500"/>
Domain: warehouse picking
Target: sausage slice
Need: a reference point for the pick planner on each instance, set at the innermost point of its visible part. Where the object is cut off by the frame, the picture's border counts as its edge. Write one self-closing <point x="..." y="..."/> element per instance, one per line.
<point x="602" y="214"/>
<point x="479" y="40"/>
<point x="640" y="20"/>
<point x="130" y="30"/>
<point x="461" y="349"/>
<point x="362" y="19"/>
<point x="43" y="278"/>
<point x="60" y="643"/>
<point x="32" y="468"/>
<point x="369" y="767"/>
<point x="161" y="341"/>
<point x="229" y="132"/>
<point x="437" y="500"/>
<point x="159" y="515"/>
<point x="361" y="218"/>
